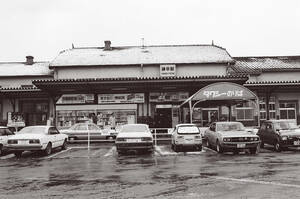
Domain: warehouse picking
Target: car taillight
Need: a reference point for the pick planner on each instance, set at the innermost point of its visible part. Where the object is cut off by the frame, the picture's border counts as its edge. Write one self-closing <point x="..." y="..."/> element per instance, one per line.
<point x="147" y="139"/>
<point x="120" y="139"/>
<point x="34" y="141"/>
<point x="12" y="141"/>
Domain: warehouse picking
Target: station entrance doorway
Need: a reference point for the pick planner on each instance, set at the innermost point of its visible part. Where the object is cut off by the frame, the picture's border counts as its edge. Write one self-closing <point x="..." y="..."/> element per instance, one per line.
<point x="163" y="116"/>
<point x="209" y="115"/>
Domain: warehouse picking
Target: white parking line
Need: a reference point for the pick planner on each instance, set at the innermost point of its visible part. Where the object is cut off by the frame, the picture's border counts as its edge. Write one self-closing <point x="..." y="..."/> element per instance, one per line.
<point x="163" y="152"/>
<point x="63" y="151"/>
<point x="209" y="149"/>
<point x="255" y="181"/>
<point x="7" y="156"/>
<point x="110" y="152"/>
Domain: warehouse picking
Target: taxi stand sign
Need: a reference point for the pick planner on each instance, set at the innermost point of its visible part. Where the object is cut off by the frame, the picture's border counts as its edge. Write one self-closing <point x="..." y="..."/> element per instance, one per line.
<point x="226" y="91"/>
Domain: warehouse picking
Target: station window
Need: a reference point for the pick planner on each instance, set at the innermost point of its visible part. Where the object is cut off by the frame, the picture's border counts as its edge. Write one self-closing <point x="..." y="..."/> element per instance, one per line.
<point x="245" y="111"/>
<point x="262" y="108"/>
<point x="287" y="110"/>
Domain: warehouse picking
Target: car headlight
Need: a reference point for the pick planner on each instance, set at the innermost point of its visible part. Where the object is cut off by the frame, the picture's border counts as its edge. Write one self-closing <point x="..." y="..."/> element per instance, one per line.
<point x="179" y="137"/>
<point x="226" y="139"/>
<point x="12" y="141"/>
<point x="146" y="139"/>
<point x="284" y="138"/>
<point x="35" y="141"/>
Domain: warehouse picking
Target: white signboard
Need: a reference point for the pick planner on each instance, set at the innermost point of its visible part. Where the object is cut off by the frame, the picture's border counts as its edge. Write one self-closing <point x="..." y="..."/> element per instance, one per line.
<point x="121" y="98"/>
<point x="76" y="99"/>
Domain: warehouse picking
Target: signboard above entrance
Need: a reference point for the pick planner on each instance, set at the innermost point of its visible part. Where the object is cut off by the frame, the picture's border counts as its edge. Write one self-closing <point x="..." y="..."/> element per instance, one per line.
<point x="121" y="98"/>
<point x="168" y="96"/>
<point x="224" y="91"/>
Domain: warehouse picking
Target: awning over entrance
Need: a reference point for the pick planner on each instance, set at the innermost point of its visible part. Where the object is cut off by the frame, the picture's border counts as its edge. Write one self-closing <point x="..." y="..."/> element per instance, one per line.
<point x="221" y="93"/>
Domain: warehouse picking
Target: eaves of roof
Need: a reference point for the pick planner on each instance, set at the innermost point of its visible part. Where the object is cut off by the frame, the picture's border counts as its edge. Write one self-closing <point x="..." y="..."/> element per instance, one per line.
<point x="273" y="83"/>
<point x="242" y="76"/>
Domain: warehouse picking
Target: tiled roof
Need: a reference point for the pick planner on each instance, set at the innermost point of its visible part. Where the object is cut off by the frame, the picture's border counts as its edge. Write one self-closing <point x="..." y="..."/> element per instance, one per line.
<point x="256" y="65"/>
<point x="273" y="83"/>
<point x="142" y="78"/>
<point x="9" y="69"/>
<point x="136" y="55"/>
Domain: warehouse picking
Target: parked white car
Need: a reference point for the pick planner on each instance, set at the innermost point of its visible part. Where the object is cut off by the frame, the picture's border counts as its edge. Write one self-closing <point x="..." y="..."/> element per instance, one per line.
<point x="134" y="137"/>
<point x="186" y="136"/>
<point x="81" y="131"/>
<point x="37" y="138"/>
<point x="5" y="133"/>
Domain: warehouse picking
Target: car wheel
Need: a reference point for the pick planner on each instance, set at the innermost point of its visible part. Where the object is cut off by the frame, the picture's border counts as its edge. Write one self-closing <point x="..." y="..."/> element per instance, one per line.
<point x="175" y="148"/>
<point x="277" y="146"/>
<point x="219" y="147"/>
<point x="1" y="149"/>
<point x="48" y="149"/>
<point x="262" y="144"/>
<point x="65" y="145"/>
<point x="18" y="154"/>
<point x="200" y="147"/>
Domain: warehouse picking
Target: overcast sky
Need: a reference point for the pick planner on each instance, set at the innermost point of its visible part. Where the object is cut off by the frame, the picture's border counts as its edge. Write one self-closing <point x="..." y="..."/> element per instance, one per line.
<point x="42" y="28"/>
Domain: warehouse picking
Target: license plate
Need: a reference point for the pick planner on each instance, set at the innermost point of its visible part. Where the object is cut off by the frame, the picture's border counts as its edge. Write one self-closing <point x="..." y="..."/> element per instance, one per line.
<point x="133" y="140"/>
<point x="241" y="145"/>
<point x="22" y="142"/>
<point x="297" y="142"/>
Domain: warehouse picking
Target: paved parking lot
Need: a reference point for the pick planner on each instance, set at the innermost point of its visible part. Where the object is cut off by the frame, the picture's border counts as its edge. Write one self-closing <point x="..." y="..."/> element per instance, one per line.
<point x="101" y="173"/>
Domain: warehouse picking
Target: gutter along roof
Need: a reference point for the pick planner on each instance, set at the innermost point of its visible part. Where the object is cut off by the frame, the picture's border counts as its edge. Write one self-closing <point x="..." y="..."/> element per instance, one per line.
<point x="133" y="84"/>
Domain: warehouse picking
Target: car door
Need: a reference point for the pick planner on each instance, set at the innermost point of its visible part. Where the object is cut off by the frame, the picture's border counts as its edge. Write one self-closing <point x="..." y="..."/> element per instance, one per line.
<point x="95" y="132"/>
<point x="60" y="138"/>
<point x="81" y="131"/>
<point x="3" y="137"/>
<point x="52" y="137"/>
<point x="269" y="135"/>
<point x="273" y="134"/>
<point x="262" y="132"/>
<point x="212" y="134"/>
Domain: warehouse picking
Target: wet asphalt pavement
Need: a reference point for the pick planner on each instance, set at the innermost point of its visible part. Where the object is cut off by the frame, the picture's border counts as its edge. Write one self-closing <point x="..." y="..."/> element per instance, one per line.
<point x="102" y="173"/>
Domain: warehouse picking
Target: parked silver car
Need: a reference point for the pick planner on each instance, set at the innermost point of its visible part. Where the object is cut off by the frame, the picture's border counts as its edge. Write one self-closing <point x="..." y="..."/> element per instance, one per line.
<point x="231" y="136"/>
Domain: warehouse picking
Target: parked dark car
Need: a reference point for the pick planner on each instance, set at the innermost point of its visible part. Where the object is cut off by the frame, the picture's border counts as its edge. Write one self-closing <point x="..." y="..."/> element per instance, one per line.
<point x="279" y="133"/>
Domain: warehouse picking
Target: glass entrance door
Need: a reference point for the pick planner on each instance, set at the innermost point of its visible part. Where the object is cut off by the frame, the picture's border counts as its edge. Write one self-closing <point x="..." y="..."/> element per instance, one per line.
<point x="209" y="116"/>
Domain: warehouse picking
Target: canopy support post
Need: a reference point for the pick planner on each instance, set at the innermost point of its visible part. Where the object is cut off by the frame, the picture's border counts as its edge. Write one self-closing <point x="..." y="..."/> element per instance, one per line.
<point x="191" y="111"/>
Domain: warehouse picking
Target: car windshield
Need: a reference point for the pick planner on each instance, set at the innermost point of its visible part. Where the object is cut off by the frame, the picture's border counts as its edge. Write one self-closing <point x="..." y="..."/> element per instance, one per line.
<point x="188" y="130"/>
<point x="134" y="128"/>
<point x="285" y="125"/>
<point x="32" y="130"/>
<point x="230" y="127"/>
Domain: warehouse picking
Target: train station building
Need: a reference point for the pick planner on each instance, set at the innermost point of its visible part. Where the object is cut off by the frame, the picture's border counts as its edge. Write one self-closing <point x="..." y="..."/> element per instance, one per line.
<point x="112" y="86"/>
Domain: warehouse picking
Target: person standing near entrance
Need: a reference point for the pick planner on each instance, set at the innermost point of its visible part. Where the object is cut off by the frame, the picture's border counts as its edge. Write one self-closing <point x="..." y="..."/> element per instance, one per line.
<point x="112" y="120"/>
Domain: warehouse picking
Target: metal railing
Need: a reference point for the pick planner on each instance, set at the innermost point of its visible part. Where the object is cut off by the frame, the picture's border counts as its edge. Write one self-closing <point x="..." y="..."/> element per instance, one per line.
<point x="159" y="135"/>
